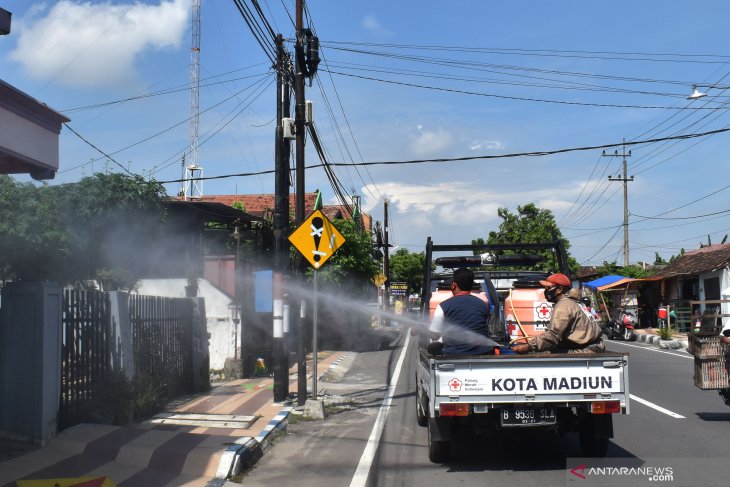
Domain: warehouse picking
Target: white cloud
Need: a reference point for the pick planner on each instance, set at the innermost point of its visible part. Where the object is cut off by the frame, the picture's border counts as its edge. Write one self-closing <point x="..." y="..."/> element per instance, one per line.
<point x="456" y="212"/>
<point x="486" y="145"/>
<point x="84" y="44"/>
<point x="430" y="142"/>
<point x="373" y="25"/>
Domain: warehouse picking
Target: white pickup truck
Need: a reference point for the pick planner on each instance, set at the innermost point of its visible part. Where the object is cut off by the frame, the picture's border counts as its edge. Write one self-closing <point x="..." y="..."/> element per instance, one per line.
<point x="566" y="392"/>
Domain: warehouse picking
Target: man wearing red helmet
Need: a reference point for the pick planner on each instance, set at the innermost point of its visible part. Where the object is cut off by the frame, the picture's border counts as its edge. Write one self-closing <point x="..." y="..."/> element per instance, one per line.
<point x="571" y="328"/>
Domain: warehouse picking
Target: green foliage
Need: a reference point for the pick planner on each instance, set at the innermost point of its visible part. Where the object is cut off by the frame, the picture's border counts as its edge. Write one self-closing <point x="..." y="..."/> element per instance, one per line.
<point x="612" y="268"/>
<point x="93" y="229"/>
<point x="115" y="400"/>
<point x="353" y="262"/>
<point x="238" y="205"/>
<point x="111" y="400"/>
<point x="149" y="396"/>
<point x="408" y="267"/>
<point x="665" y="333"/>
<point x="530" y="225"/>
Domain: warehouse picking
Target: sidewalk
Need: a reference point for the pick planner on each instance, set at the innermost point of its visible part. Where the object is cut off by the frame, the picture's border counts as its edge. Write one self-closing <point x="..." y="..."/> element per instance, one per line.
<point x="194" y="441"/>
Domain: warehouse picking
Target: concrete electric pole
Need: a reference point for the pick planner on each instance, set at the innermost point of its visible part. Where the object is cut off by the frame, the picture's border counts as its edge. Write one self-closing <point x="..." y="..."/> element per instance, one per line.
<point x="625" y="180"/>
<point x="281" y="223"/>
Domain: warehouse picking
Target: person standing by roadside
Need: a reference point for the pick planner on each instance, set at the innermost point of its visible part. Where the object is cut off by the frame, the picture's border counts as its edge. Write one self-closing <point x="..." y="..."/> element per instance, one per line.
<point x="571" y="329"/>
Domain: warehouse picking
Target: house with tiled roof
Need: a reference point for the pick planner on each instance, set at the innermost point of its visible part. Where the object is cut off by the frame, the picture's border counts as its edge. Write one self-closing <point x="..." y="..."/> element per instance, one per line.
<point x="262" y="205"/>
<point x="700" y="275"/>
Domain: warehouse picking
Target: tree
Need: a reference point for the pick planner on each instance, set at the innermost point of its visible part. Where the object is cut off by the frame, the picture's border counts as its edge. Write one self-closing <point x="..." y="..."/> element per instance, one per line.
<point x="105" y="228"/>
<point x="32" y="239"/>
<point x="353" y="264"/>
<point x="612" y="268"/>
<point x="408" y="267"/>
<point x="530" y="225"/>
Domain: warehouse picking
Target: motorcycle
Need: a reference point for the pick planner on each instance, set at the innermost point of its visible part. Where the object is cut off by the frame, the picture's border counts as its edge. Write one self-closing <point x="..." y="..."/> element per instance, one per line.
<point x="621" y="328"/>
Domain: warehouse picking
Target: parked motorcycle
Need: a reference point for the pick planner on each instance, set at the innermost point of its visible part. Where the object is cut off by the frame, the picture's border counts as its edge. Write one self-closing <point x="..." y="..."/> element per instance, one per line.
<point x="621" y="328"/>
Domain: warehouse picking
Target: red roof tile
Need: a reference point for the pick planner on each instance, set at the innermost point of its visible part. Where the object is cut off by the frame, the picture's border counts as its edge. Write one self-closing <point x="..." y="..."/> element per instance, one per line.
<point x="262" y="205"/>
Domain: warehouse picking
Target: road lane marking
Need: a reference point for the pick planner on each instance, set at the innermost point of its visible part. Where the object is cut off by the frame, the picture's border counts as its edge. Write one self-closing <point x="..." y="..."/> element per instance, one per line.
<point x="657" y="407"/>
<point x="675" y="354"/>
<point x="366" y="460"/>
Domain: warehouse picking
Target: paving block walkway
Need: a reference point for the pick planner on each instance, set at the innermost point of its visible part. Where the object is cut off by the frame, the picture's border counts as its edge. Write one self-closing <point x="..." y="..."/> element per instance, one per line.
<point x="185" y="445"/>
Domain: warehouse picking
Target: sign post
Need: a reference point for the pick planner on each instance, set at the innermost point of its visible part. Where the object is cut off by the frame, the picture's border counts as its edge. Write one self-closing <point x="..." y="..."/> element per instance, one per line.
<point x="317" y="240"/>
<point x="379" y="280"/>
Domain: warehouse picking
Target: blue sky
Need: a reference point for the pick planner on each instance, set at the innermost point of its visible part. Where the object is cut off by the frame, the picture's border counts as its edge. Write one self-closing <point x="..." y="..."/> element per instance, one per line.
<point x="491" y="78"/>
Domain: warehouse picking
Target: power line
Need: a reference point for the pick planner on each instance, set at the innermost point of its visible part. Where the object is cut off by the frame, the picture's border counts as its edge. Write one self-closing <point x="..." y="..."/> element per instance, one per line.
<point x="491" y="156"/>
<point x="508" y="97"/>
<point x="157" y="134"/>
<point x="681" y="217"/>
<point x="562" y="85"/>
<point x="694" y="58"/>
<point x="480" y="66"/>
<point x="99" y="150"/>
<point x="154" y="94"/>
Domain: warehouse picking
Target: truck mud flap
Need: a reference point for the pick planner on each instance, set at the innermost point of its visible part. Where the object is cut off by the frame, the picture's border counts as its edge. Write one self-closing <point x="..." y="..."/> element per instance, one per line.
<point x="603" y="425"/>
<point x="439" y="429"/>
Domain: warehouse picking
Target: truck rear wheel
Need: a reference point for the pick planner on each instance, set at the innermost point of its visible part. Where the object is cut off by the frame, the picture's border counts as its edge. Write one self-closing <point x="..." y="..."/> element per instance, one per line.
<point x="438" y="451"/>
<point x="594" y="438"/>
<point x="421" y="416"/>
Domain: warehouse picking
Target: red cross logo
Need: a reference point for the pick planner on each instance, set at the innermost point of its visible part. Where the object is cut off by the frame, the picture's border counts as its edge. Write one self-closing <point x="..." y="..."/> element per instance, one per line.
<point x="455" y="385"/>
<point x="543" y="311"/>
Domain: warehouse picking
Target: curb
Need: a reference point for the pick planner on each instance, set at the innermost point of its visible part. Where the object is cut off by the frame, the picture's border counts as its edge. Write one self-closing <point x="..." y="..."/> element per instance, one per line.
<point x="248" y="450"/>
<point x="675" y="344"/>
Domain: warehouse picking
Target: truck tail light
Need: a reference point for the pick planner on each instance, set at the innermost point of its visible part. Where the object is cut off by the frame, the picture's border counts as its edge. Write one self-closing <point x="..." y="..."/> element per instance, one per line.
<point x="459" y="409"/>
<point x="606" y="407"/>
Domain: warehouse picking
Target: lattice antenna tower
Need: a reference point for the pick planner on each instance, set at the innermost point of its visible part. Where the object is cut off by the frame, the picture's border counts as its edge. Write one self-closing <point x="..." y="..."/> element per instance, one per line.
<point x="193" y="184"/>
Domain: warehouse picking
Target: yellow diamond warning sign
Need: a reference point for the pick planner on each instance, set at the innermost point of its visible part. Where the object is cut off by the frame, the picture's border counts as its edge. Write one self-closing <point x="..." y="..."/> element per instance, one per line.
<point x="316" y="239"/>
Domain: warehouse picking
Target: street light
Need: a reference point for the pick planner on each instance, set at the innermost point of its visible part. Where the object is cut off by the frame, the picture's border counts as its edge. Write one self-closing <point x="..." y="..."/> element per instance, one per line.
<point x="697" y="94"/>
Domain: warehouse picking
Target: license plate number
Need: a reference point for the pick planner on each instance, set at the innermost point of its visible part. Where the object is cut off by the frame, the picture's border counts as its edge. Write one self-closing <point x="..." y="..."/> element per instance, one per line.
<point x="527" y="416"/>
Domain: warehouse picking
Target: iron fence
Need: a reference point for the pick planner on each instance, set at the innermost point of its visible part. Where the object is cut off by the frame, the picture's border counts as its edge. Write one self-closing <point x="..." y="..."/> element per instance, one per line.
<point x="162" y="340"/>
<point x="161" y="330"/>
<point x="87" y="342"/>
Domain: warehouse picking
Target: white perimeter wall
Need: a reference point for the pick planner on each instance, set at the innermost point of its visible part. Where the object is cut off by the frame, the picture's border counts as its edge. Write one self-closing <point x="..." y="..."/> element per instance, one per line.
<point x="223" y="333"/>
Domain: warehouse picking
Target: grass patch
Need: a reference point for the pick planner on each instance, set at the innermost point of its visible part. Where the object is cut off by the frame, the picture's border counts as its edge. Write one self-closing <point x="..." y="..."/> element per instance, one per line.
<point x="665" y="332"/>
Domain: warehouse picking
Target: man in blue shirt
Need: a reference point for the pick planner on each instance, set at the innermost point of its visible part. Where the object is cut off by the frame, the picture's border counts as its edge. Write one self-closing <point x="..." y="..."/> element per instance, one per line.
<point x="460" y="322"/>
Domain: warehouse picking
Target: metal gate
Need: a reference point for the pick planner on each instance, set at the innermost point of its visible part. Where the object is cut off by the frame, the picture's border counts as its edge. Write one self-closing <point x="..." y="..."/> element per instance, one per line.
<point x="162" y="340"/>
<point x="86" y="346"/>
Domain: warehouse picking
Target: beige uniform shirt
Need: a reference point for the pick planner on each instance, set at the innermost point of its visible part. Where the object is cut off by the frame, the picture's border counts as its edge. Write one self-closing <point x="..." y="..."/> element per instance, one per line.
<point x="571" y="327"/>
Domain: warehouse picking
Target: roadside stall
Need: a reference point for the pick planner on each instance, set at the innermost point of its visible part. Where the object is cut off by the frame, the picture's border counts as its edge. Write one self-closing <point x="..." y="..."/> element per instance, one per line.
<point x="617" y="295"/>
<point x="615" y="298"/>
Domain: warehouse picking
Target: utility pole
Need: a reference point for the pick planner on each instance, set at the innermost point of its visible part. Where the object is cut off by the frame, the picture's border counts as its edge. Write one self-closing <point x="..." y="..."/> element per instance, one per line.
<point x="624" y="180"/>
<point x="306" y="54"/>
<point x="386" y="262"/>
<point x="299" y="206"/>
<point x="281" y="225"/>
<point x="299" y="113"/>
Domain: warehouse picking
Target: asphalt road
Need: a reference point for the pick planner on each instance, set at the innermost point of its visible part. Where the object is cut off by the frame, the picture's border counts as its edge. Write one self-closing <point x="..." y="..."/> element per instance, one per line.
<point x="671" y="424"/>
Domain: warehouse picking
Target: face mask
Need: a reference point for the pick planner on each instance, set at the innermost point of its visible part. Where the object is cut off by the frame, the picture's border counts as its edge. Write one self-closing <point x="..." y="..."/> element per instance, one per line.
<point x="551" y="294"/>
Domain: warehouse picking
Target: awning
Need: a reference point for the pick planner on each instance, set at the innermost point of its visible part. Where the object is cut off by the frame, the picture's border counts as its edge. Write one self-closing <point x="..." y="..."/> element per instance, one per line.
<point x="604" y="281"/>
<point x="607" y="283"/>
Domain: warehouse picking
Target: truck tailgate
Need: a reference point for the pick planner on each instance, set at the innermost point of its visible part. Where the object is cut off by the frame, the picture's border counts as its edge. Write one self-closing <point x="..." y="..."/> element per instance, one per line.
<point x="532" y="378"/>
